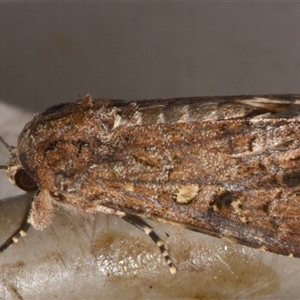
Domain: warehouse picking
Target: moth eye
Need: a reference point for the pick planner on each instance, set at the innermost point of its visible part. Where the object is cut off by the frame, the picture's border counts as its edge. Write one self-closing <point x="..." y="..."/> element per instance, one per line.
<point x="24" y="181"/>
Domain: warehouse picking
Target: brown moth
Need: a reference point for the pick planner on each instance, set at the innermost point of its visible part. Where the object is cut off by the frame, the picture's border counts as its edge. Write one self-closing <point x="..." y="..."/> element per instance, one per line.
<point x="224" y="166"/>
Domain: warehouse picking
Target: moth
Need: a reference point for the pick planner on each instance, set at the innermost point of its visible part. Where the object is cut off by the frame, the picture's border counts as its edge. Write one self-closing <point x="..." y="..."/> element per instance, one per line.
<point x="224" y="166"/>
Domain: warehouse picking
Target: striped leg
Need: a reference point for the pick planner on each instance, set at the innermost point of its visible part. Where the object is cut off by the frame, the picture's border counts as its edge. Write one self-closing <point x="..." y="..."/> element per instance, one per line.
<point x="21" y="232"/>
<point x="15" y="237"/>
<point x="140" y="224"/>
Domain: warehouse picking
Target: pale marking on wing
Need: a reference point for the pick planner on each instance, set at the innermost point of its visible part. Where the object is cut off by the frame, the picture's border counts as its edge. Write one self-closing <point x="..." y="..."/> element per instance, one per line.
<point x="185" y="115"/>
<point x="161" y="118"/>
<point x="186" y="193"/>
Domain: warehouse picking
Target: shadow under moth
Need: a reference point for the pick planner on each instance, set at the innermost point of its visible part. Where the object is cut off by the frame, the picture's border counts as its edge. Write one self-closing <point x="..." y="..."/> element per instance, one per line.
<point x="224" y="166"/>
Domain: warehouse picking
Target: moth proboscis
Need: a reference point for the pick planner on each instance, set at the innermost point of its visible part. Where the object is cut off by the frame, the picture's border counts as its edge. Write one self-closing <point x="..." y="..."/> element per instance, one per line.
<point x="225" y="166"/>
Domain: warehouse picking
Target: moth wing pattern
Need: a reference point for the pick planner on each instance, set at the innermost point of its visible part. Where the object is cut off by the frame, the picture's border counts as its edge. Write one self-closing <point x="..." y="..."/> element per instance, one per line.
<point x="225" y="166"/>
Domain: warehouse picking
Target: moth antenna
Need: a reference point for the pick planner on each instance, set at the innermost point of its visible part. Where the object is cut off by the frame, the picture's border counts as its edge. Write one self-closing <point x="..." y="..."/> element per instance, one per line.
<point x="140" y="224"/>
<point x="8" y="147"/>
<point x="19" y="233"/>
<point x="3" y="167"/>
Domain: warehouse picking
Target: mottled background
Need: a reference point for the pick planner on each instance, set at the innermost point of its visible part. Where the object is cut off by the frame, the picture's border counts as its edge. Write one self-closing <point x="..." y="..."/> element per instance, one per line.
<point x="58" y="52"/>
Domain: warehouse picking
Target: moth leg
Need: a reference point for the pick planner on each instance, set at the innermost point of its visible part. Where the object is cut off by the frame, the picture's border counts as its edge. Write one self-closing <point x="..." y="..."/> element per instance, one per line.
<point x="21" y="232"/>
<point x="140" y="224"/>
<point x="39" y="215"/>
<point x="15" y="238"/>
<point x="41" y="211"/>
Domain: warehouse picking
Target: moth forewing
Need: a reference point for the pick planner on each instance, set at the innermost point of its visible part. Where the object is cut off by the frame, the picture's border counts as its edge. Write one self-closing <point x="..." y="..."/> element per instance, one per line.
<point x="225" y="166"/>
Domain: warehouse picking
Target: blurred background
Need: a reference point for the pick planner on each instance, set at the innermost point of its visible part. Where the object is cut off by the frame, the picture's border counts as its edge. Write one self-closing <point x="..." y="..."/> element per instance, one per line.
<point x="57" y="52"/>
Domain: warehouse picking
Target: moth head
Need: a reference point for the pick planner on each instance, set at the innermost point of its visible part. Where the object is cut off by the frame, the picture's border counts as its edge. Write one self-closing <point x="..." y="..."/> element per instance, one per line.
<point x="15" y="172"/>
